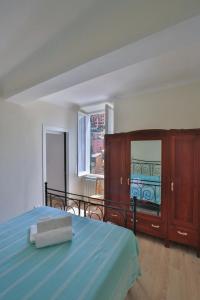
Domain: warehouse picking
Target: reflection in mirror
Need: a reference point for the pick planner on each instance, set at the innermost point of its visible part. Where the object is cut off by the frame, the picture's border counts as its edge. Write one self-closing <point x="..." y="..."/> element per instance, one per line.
<point x="146" y="175"/>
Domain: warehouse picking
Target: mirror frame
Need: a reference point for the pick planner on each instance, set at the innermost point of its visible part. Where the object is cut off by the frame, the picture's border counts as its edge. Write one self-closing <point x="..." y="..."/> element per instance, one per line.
<point x="154" y="134"/>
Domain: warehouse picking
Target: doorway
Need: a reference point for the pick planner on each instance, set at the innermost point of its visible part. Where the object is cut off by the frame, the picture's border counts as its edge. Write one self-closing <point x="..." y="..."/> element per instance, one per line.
<point x="55" y="158"/>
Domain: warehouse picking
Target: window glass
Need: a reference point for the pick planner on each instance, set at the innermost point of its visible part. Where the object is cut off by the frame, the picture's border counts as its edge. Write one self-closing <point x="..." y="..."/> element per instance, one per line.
<point x="92" y="127"/>
<point x="97" y="132"/>
<point x="83" y="143"/>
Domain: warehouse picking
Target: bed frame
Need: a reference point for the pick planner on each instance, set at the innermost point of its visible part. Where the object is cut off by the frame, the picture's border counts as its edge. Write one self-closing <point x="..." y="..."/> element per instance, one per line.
<point x="93" y="208"/>
<point x="148" y="168"/>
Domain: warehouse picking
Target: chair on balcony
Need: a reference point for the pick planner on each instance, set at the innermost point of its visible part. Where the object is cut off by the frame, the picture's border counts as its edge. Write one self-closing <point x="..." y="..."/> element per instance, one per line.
<point x="97" y="211"/>
<point x="99" y="189"/>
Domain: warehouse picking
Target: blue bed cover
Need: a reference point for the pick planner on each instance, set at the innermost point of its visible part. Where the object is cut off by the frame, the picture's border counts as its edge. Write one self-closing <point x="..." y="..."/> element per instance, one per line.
<point x="101" y="262"/>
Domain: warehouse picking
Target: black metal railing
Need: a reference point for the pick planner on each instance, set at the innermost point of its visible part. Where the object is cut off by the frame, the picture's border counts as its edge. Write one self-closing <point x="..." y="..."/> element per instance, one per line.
<point x="146" y="167"/>
<point x="95" y="208"/>
<point x="147" y="192"/>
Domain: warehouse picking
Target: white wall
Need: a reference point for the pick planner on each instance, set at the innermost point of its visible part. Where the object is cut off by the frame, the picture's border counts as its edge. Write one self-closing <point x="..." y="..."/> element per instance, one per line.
<point x="21" y="138"/>
<point x="21" y="153"/>
<point x="55" y="160"/>
<point x="177" y="107"/>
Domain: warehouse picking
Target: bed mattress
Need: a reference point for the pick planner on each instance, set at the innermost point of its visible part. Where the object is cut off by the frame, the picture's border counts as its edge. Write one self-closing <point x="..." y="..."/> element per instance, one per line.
<point x="101" y="261"/>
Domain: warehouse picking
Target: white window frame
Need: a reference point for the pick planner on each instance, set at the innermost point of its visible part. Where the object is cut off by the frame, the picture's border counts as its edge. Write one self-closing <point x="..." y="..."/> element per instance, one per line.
<point x="109" y="120"/>
<point x="91" y="174"/>
<point x="86" y="171"/>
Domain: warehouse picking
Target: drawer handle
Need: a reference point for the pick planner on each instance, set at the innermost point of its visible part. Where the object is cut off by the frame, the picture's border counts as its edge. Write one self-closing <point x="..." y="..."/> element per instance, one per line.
<point x="182" y="233"/>
<point x="114" y="215"/>
<point x="155" y="226"/>
<point x="135" y="220"/>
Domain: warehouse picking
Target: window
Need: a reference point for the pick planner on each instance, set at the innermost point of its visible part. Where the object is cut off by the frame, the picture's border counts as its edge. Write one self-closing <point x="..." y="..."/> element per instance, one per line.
<point x="91" y="130"/>
<point x="83" y="143"/>
<point x="97" y="132"/>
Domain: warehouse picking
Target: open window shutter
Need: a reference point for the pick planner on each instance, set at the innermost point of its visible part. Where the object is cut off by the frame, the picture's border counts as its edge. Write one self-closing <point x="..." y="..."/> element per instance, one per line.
<point x="87" y="144"/>
<point x="109" y="117"/>
<point x="83" y="144"/>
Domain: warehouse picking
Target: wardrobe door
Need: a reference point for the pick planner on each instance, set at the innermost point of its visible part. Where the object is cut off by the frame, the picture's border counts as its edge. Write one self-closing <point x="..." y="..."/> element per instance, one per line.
<point x="113" y="166"/>
<point x="183" y="212"/>
<point x="115" y="179"/>
<point x="149" y="179"/>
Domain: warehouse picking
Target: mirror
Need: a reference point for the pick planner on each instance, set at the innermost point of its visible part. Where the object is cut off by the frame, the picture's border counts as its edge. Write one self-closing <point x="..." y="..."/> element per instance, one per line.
<point x="145" y="179"/>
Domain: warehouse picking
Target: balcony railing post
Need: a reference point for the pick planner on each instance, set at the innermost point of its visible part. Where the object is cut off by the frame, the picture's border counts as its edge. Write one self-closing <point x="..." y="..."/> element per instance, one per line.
<point x="134" y="213"/>
<point x="46" y="193"/>
<point x="84" y="206"/>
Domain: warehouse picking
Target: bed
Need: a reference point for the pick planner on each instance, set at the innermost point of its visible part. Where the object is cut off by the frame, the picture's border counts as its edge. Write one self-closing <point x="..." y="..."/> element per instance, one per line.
<point x="101" y="262"/>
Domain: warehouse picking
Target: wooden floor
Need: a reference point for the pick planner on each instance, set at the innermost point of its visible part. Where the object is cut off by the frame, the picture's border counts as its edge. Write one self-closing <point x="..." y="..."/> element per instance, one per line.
<point x="167" y="274"/>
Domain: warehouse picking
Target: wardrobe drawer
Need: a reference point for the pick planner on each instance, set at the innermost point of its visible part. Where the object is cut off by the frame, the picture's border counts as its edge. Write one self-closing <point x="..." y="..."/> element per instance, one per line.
<point x="152" y="227"/>
<point x="115" y="217"/>
<point x="184" y="236"/>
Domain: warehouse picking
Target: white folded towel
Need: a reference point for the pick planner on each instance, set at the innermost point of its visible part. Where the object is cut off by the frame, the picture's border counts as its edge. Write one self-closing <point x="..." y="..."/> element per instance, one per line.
<point x="33" y="232"/>
<point x="53" y="237"/>
<point x="51" y="230"/>
<point x="53" y="223"/>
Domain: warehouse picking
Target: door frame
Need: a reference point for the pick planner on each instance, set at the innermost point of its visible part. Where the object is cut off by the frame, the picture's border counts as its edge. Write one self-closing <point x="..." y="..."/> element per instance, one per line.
<point x="48" y="129"/>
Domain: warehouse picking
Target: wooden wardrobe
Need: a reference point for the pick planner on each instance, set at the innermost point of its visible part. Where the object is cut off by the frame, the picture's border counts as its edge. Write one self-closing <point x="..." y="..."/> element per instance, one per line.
<point x="132" y="165"/>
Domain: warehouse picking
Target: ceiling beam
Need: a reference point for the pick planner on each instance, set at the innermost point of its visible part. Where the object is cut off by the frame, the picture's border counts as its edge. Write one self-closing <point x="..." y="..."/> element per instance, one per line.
<point x="175" y="37"/>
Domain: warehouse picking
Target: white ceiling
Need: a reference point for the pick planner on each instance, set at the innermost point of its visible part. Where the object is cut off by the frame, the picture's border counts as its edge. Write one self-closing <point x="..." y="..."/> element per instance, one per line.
<point x="26" y="26"/>
<point x="174" y="68"/>
<point x="82" y="51"/>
